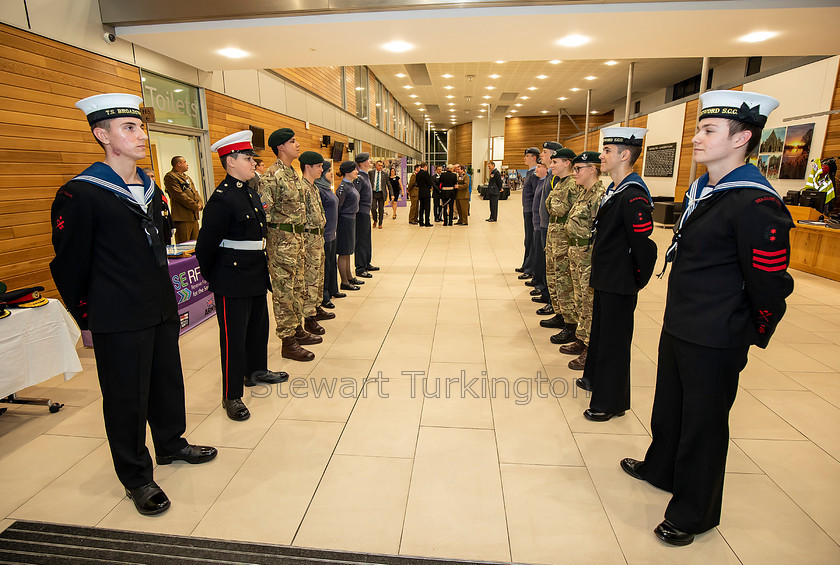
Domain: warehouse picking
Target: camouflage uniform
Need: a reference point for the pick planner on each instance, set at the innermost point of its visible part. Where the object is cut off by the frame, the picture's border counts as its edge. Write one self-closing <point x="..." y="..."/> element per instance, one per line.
<point x="313" y="249"/>
<point x="579" y="229"/>
<point x="282" y="193"/>
<point x="559" y="202"/>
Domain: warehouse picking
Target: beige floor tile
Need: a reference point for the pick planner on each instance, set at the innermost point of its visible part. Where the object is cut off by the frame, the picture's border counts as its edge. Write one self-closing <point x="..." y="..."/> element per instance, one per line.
<point x="457" y="311"/>
<point x="510" y="360"/>
<point x="323" y="399"/>
<point x="455" y="505"/>
<point x="22" y="424"/>
<point x="80" y="391"/>
<point x="791" y="334"/>
<point x="809" y="414"/>
<point x="634" y="507"/>
<point x="457" y="290"/>
<point x="403" y="353"/>
<point x="359" y="505"/>
<point x="359" y="340"/>
<point x="87" y="422"/>
<point x="384" y="421"/>
<point x="416" y="316"/>
<point x="443" y="405"/>
<point x="814" y="489"/>
<point x="758" y="375"/>
<point x="824" y="385"/>
<point x="763" y="526"/>
<point x="554" y="514"/>
<point x="458" y="343"/>
<point x="575" y="401"/>
<point x="192" y="489"/>
<point x="751" y="419"/>
<point x="5" y="523"/>
<point x="203" y="390"/>
<point x="267" y="498"/>
<point x="785" y="358"/>
<point x="32" y="467"/>
<point x="501" y="318"/>
<point x="826" y="353"/>
<point x="203" y="347"/>
<point x="380" y="310"/>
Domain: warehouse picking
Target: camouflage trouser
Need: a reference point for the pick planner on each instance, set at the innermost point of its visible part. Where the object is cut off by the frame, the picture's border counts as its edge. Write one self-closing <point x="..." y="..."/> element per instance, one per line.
<point x="313" y="274"/>
<point x="557" y="273"/>
<point x="285" y="265"/>
<point x="580" y="265"/>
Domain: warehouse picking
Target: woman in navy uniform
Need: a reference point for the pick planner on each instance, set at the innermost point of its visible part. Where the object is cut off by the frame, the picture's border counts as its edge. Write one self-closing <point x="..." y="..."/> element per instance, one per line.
<point x="623" y="258"/>
<point x="231" y="253"/>
<point x="726" y="291"/>
<point x="111" y="271"/>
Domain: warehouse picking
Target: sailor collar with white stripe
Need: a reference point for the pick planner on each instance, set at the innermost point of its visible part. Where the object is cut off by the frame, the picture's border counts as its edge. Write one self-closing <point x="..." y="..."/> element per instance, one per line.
<point x="102" y="175"/>
<point x="631" y="179"/>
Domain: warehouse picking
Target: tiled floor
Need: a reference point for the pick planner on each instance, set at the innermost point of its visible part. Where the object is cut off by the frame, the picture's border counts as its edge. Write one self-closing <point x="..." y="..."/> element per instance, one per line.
<point x="427" y="425"/>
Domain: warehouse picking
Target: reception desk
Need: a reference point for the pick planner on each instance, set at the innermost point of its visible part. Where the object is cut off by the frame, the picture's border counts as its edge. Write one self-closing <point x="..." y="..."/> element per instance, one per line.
<point x="814" y="249"/>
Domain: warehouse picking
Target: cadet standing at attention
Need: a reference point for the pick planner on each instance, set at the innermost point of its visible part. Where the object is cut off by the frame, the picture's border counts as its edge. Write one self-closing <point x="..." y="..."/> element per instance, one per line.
<point x="562" y="192"/>
<point x="364" y="250"/>
<point x="282" y="193"/>
<point x="726" y="292"/>
<point x="231" y="253"/>
<point x="623" y="256"/>
<point x="311" y="166"/>
<point x="579" y="232"/>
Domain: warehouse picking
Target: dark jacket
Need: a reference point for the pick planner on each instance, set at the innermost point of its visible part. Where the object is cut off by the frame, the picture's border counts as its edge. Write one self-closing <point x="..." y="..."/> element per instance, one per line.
<point x="528" y="186"/>
<point x="424" y="184"/>
<point x="330" y="202"/>
<point x="234" y="212"/>
<point x="384" y="183"/>
<point x="365" y="191"/>
<point x="348" y="199"/>
<point x="494" y="185"/>
<point x="448" y="180"/>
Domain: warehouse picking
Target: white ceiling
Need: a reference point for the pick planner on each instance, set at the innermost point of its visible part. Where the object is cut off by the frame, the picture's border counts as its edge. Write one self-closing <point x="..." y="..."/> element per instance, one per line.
<point x="666" y="40"/>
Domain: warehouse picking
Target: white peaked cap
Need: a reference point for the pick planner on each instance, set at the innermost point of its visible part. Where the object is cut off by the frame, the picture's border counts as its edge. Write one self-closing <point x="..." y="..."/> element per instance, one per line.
<point x="108" y="106"/>
<point x="624" y="136"/>
<point x="747" y="107"/>
<point x="239" y="141"/>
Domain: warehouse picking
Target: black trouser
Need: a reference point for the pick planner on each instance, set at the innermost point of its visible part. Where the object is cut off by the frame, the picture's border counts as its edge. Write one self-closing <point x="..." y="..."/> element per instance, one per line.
<point x="330" y="270"/>
<point x="425" y="204"/>
<point x="494" y="205"/>
<point x="363" y="249"/>
<point x="695" y="389"/>
<point x="377" y="209"/>
<point x="438" y="210"/>
<point x="538" y="257"/>
<point x="527" y="267"/>
<point x="243" y="339"/>
<point x="447" y="204"/>
<point x="141" y="381"/>
<point x="607" y="367"/>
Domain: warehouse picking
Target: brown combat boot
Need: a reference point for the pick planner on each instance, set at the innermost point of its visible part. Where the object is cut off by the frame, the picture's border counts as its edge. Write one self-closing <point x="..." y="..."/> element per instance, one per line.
<point x="303" y="337"/>
<point x="579" y="363"/>
<point x="313" y="327"/>
<point x="575" y="348"/>
<point x="292" y="350"/>
<point x="321" y="314"/>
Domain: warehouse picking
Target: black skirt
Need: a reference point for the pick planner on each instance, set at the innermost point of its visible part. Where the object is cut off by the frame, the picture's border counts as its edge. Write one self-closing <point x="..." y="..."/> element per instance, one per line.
<point x="345" y="235"/>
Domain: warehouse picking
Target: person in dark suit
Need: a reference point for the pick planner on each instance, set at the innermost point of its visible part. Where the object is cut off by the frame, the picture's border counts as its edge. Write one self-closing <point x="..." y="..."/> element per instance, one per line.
<point x="437" y="195"/>
<point x="726" y="292"/>
<point x="231" y="253"/>
<point x="111" y="271"/>
<point x="330" y="203"/>
<point x="494" y="187"/>
<point x="412" y="194"/>
<point x="364" y="249"/>
<point x="424" y="194"/>
<point x="622" y="262"/>
<point x="532" y="154"/>
<point x="379" y="184"/>
<point x="448" y="182"/>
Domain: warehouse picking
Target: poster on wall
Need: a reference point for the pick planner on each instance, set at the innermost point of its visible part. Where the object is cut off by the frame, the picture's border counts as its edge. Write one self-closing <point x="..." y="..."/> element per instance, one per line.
<point x="796" y="151"/>
<point x="772" y="140"/>
<point x="769" y="165"/>
<point x="659" y="160"/>
<point x="752" y="158"/>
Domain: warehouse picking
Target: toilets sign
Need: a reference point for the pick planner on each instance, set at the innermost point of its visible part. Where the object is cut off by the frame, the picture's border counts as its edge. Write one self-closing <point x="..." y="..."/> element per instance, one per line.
<point x="174" y="102"/>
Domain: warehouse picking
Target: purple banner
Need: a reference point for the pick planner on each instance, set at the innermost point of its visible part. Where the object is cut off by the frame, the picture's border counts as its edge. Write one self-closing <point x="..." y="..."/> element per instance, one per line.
<point x="195" y="301"/>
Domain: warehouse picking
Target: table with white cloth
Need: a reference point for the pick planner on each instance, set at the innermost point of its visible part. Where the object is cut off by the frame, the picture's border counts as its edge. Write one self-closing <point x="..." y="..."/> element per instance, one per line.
<point x="37" y="344"/>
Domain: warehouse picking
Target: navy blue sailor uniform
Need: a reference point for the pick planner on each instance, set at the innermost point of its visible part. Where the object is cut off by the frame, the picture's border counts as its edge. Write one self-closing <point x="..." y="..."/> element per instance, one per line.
<point x="726" y="291"/>
<point x="231" y="253"/>
<point x="111" y="271"/>
<point x="623" y="258"/>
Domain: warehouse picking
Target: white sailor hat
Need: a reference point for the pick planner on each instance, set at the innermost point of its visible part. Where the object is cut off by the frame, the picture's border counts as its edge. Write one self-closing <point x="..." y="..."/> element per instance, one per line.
<point x="748" y="107"/>
<point x="624" y="136"/>
<point x="108" y="106"/>
<point x="239" y="142"/>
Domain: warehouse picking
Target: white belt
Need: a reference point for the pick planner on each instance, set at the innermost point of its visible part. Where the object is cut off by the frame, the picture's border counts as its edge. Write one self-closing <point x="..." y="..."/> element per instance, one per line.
<point x="248" y="245"/>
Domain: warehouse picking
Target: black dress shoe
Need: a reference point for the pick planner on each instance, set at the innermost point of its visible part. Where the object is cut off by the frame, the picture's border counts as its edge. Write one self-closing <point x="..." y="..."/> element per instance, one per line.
<point x="531" y="282"/>
<point x="371" y="268"/>
<point x="584" y="384"/>
<point x="519" y="270"/>
<point x="566" y="335"/>
<point x="328" y="304"/>
<point x="267" y="377"/>
<point x="541" y="299"/>
<point x="525" y="276"/>
<point x="555" y="322"/>
<point x="427" y="225"/>
<point x="339" y="295"/>
<point x="348" y="287"/>
<point x="321" y="314"/>
<point x="546" y="310"/>
<point x="148" y="499"/>
<point x="535" y="292"/>
<point x="669" y="533"/>
<point x="356" y="281"/>
<point x="364" y="274"/>
<point x="596" y="416"/>
<point x="236" y="409"/>
<point x="631" y="467"/>
<point x="192" y="454"/>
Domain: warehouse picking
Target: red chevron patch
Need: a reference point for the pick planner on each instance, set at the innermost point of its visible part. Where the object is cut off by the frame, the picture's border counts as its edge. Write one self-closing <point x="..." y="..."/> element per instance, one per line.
<point x="769" y="260"/>
<point x="641" y="228"/>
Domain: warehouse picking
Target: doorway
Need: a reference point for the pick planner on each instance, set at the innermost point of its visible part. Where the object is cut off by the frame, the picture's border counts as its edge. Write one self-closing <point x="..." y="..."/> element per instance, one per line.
<point x="165" y="146"/>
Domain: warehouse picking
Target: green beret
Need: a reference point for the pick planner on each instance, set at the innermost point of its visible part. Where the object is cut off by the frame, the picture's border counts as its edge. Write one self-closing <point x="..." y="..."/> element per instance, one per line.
<point x="592" y="157"/>
<point x="310" y="158"/>
<point x="564" y="153"/>
<point x="279" y="137"/>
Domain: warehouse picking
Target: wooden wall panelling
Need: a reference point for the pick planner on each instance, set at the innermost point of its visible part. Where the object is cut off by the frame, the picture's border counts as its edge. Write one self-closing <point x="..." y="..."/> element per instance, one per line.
<point x="325" y="81"/>
<point x="640" y="122"/>
<point x="44" y="141"/>
<point x="831" y="147"/>
<point x="372" y="98"/>
<point x="463" y="144"/>
<point x="350" y="78"/>
<point x="533" y="131"/>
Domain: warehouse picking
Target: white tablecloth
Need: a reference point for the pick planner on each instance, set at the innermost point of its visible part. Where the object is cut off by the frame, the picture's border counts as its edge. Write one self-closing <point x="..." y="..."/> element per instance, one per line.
<point x="37" y="344"/>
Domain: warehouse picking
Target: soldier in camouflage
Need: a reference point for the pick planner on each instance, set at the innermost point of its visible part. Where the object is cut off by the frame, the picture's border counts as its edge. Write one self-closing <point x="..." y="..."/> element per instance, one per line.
<point x="563" y="193"/>
<point x="282" y="193"/>
<point x="579" y="231"/>
<point x="311" y="166"/>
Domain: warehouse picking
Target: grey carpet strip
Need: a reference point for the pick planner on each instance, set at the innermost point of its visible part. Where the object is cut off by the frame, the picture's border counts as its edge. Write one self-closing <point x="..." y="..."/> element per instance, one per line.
<point x="57" y="544"/>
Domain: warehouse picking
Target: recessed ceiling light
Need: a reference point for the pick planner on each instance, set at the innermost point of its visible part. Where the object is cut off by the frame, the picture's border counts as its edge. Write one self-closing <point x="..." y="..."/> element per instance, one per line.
<point x="480" y="116"/>
<point x="543" y="111"/>
<point x="542" y="77"/>
<point x="574" y="89"/>
<point x="495" y="76"/>
<point x="398" y="46"/>
<point x="359" y="88"/>
<point x="449" y="96"/>
<point x="524" y="97"/>
<point x="500" y="62"/>
<point x="452" y="109"/>
<point x="508" y="116"/>
<point x="757" y="36"/>
<point x="447" y="75"/>
<point x="611" y="63"/>
<point x="490" y="88"/>
<point x="450" y="103"/>
<point x="573" y="41"/>
<point x="407" y="86"/>
<point x="513" y="111"/>
<point x="232" y="53"/>
<point x="590" y="77"/>
<point x="400" y="75"/>
<point x="532" y="88"/>
<point x="593" y="112"/>
<point x="448" y="87"/>
<point x="416" y="103"/>
<point x="562" y="98"/>
<point x="555" y="62"/>
<point x="518" y="105"/>
<point x="412" y="96"/>
<point x="482" y="109"/>
<point x="487" y="97"/>
<point x="485" y="104"/>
